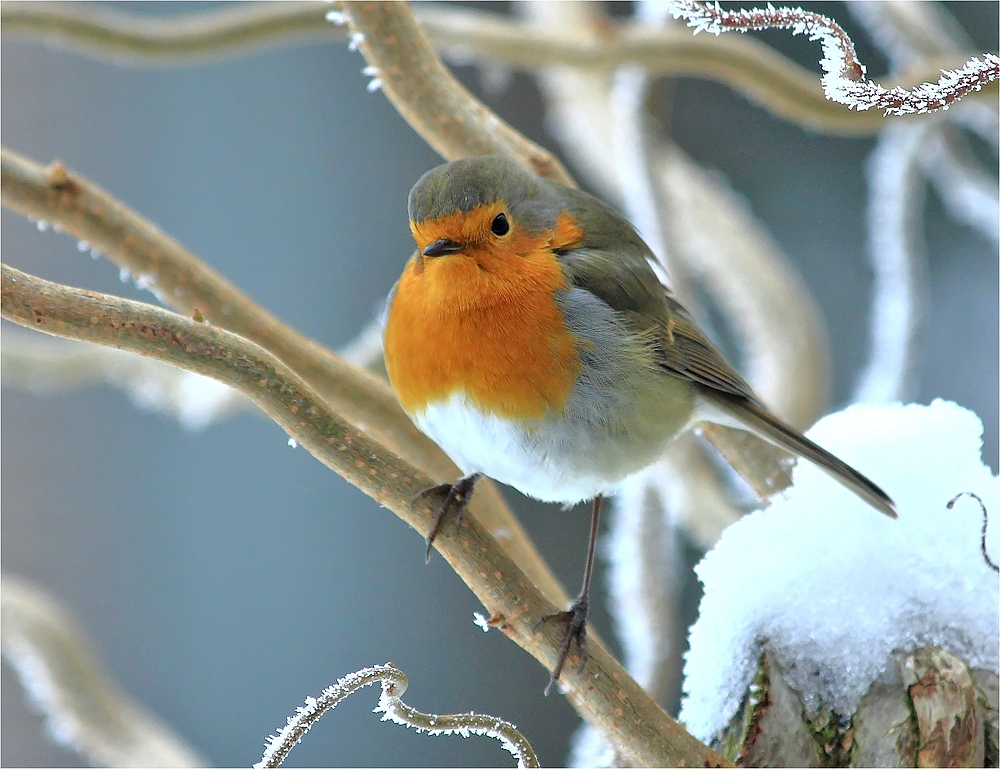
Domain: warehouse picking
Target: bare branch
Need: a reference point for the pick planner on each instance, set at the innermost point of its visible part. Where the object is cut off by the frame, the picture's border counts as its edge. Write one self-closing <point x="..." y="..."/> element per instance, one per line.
<point x="139" y="39"/>
<point x="84" y="707"/>
<point x="982" y="533"/>
<point x="390" y="703"/>
<point x="599" y="688"/>
<point x="427" y="95"/>
<point x="844" y="81"/>
<point x="754" y="69"/>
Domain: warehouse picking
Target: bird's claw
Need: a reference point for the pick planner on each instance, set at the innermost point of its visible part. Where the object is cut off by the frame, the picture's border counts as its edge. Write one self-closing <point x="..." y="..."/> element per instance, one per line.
<point x="456" y="497"/>
<point x="576" y="630"/>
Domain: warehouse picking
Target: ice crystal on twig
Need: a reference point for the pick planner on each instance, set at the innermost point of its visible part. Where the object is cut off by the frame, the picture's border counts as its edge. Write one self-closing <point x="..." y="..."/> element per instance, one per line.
<point x="844" y="80"/>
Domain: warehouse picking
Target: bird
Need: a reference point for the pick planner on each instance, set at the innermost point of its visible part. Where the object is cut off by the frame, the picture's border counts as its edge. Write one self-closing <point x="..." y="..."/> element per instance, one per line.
<point x="530" y="337"/>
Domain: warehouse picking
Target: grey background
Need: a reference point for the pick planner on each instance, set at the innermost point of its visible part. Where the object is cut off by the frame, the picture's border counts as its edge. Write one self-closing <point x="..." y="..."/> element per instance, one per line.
<point x="224" y="576"/>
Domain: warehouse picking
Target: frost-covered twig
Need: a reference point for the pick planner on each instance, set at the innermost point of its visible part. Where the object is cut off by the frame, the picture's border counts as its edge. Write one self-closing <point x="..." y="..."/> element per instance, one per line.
<point x="42" y="365"/>
<point x="57" y="196"/>
<point x="911" y="32"/>
<point x="427" y="95"/>
<point x="844" y="79"/>
<point x="600" y="688"/>
<point x="752" y="68"/>
<point x="83" y="706"/>
<point x="390" y="703"/>
<point x="896" y="251"/>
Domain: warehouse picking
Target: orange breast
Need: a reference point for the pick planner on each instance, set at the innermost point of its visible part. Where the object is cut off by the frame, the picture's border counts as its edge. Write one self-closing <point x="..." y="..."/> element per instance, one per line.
<point x="486" y="324"/>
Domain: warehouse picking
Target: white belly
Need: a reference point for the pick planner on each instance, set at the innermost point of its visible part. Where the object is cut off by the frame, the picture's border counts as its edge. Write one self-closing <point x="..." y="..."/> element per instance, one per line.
<point x="554" y="460"/>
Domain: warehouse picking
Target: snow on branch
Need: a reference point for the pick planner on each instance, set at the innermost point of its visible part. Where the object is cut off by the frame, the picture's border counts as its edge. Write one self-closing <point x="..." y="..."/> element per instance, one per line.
<point x="392" y="707"/>
<point x="844" y="79"/>
<point x="851" y="589"/>
<point x="84" y="708"/>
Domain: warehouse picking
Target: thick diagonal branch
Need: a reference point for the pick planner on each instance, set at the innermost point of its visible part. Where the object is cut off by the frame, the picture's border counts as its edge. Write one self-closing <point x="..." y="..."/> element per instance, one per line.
<point x="600" y="689"/>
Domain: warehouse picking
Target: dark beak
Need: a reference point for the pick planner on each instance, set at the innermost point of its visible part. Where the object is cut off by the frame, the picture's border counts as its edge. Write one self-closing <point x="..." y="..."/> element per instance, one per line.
<point x="441" y="247"/>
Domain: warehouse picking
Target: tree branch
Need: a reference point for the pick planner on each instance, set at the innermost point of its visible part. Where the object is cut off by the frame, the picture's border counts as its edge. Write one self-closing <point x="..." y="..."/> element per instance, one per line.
<point x="844" y="79"/>
<point x="600" y="689"/>
<point x="767" y="78"/>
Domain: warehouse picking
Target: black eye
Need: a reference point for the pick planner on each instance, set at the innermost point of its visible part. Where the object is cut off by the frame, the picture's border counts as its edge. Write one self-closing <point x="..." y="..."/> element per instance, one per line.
<point x="500" y="226"/>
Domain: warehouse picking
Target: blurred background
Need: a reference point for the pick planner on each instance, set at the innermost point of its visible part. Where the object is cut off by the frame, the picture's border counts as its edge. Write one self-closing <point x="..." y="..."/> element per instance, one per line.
<point x="224" y="576"/>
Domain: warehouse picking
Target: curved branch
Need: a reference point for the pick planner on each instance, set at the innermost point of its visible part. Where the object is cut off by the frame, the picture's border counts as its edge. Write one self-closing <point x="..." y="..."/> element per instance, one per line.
<point x="390" y="703"/>
<point x="58" y="196"/>
<point x="844" y="76"/>
<point x="439" y="108"/>
<point x="600" y="689"/>
<point x="754" y="69"/>
<point x="84" y="707"/>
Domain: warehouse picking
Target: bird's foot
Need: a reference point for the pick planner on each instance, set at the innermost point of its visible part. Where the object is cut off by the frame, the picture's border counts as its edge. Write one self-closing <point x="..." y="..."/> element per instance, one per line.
<point x="455" y="498"/>
<point x="576" y="630"/>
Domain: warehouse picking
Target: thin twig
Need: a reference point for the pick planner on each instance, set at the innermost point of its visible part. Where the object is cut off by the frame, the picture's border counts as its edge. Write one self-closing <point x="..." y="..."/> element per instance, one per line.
<point x="439" y="108"/>
<point x="844" y="79"/>
<point x="769" y="79"/>
<point x="57" y="196"/>
<point x="986" y="523"/>
<point x="390" y="703"/>
<point x="599" y="689"/>
<point x="83" y="706"/>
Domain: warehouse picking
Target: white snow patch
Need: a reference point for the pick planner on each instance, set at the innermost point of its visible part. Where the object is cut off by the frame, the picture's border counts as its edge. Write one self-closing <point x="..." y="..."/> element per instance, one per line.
<point x="832" y="588"/>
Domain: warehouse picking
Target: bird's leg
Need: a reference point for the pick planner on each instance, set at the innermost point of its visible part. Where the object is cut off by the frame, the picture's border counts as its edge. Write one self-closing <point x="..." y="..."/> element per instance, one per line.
<point x="456" y="497"/>
<point x="576" y="616"/>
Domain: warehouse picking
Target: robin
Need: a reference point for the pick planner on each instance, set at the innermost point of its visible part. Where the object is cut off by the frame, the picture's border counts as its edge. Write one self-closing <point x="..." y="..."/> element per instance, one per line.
<point x="530" y="338"/>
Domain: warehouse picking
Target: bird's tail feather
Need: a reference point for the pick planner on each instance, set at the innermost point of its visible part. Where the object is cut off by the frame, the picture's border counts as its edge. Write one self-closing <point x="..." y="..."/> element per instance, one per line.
<point x="767" y="426"/>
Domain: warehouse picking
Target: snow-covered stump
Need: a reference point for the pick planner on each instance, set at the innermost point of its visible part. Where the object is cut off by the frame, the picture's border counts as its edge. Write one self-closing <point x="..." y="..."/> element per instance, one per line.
<point x="928" y="710"/>
<point x="830" y="635"/>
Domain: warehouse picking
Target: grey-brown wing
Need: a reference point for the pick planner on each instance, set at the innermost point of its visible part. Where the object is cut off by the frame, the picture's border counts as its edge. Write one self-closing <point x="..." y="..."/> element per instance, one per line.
<point x="626" y="282"/>
<point x="685" y="351"/>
